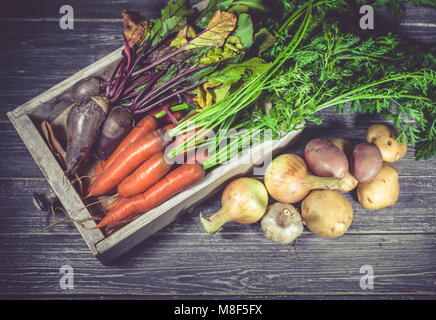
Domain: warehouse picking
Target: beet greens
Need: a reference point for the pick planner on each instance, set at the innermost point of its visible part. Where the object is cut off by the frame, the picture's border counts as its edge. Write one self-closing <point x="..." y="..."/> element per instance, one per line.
<point x="163" y="60"/>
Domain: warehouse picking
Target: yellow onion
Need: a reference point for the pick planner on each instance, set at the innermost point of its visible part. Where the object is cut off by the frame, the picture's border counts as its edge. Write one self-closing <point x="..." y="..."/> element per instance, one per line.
<point x="287" y="179"/>
<point x="244" y="201"/>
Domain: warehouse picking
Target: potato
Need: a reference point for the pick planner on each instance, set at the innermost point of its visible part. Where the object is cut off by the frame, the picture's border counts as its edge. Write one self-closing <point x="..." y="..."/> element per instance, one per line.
<point x="383" y="137"/>
<point x="344" y="145"/>
<point x="383" y="191"/>
<point x="327" y="213"/>
<point x="325" y="159"/>
<point x="348" y="183"/>
<point x="367" y="162"/>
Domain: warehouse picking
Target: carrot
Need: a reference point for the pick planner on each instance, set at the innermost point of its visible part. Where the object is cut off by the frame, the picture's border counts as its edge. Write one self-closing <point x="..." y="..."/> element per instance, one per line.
<point x="174" y="182"/>
<point x="199" y="156"/>
<point x="112" y="204"/>
<point x="98" y="170"/>
<point x="170" y="126"/>
<point x="150" y="172"/>
<point x="128" y="160"/>
<point x="180" y="140"/>
<point x="144" y="126"/>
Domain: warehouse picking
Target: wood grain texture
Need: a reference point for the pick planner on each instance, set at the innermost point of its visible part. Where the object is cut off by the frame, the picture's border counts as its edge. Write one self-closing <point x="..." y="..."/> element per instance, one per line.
<point x="226" y="264"/>
<point x="181" y="261"/>
<point x="27" y="67"/>
<point x="90" y="9"/>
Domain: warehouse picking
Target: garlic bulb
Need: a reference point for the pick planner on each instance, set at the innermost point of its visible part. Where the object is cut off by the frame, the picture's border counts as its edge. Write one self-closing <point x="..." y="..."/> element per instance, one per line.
<point x="282" y="223"/>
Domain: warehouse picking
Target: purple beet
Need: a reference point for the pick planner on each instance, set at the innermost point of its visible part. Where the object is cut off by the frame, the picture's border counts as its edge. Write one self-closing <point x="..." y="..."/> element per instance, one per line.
<point x="117" y="125"/>
<point x="83" y="124"/>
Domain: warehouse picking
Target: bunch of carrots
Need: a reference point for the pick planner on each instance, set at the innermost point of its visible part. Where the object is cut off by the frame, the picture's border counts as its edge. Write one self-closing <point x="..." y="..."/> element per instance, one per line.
<point x="141" y="173"/>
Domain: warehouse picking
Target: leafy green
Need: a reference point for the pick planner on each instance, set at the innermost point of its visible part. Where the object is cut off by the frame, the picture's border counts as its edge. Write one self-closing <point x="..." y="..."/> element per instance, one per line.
<point x="219" y="83"/>
<point x="252" y="4"/>
<point x="176" y="8"/>
<point x="232" y="48"/>
<point x="244" y="30"/>
<point x="135" y="26"/>
<point x="334" y="69"/>
<point x="233" y="6"/>
<point x="183" y="36"/>
<point x="216" y="32"/>
<point x="173" y="18"/>
<point x="212" y="7"/>
<point x="232" y="73"/>
<point x="263" y="40"/>
<point x="316" y="66"/>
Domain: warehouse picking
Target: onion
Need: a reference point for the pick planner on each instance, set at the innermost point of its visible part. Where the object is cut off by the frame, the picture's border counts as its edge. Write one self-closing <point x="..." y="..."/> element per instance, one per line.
<point x="288" y="180"/>
<point x="244" y="200"/>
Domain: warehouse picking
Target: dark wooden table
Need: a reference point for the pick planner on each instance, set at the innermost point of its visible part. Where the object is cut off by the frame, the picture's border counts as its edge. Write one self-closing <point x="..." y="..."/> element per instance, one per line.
<point x="181" y="261"/>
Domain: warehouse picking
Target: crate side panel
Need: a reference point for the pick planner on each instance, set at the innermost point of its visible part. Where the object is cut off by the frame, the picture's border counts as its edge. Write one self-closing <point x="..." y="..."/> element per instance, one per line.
<point x="55" y="177"/>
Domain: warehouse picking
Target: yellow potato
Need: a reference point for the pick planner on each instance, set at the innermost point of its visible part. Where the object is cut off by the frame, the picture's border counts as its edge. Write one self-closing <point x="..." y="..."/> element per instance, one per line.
<point x="349" y="183"/>
<point x="343" y="144"/>
<point x="383" y="137"/>
<point x="327" y="213"/>
<point x="381" y="192"/>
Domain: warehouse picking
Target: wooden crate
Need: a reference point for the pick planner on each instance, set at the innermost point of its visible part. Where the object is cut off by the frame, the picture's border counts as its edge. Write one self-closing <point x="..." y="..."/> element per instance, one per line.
<point x="26" y="118"/>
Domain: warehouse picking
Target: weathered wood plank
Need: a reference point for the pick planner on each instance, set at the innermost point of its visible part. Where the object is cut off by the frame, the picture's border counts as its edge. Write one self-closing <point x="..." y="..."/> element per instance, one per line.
<point x="90" y="9"/>
<point x="15" y="159"/>
<point x="33" y="51"/>
<point x="83" y="10"/>
<point x="414" y="212"/>
<point x="155" y="299"/>
<point x="225" y="265"/>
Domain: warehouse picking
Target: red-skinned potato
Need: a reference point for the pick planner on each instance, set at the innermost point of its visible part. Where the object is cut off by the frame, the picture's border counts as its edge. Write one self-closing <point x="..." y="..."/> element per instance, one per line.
<point x="325" y="159"/>
<point x="367" y="162"/>
<point x="383" y="136"/>
<point x="349" y="182"/>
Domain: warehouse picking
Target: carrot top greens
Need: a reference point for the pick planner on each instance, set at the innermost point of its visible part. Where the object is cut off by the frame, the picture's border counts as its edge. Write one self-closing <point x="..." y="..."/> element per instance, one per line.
<point x="315" y="65"/>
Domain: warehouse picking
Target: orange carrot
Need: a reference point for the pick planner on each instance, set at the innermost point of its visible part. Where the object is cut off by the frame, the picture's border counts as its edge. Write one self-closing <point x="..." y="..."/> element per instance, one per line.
<point x="150" y="172"/>
<point x="128" y="160"/>
<point x="144" y="126"/>
<point x="199" y="156"/>
<point x="170" y="126"/>
<point x="174" y="182"/>
<point x="112" y="204"/>
<point x="98" y="170"/>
